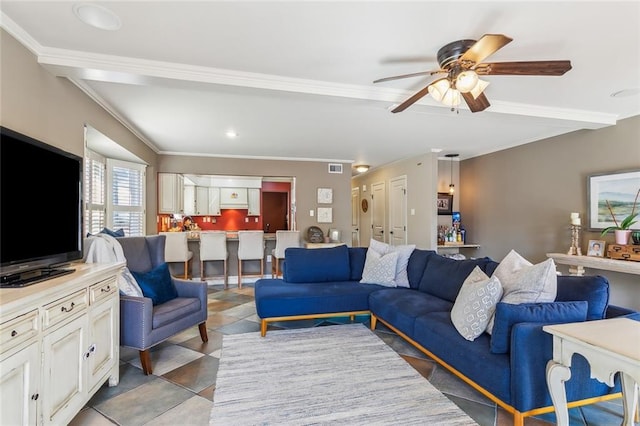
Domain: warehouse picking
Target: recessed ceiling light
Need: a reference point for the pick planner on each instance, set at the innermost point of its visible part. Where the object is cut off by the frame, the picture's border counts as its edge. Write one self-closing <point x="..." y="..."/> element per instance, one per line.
<point x="97" y="16"/>
<point x="626" y="92"/>
<point x="231" y="134"/>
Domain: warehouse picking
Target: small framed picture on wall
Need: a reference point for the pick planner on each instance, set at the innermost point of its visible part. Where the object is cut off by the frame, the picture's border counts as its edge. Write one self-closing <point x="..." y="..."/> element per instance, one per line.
<point x="445" y="203"/>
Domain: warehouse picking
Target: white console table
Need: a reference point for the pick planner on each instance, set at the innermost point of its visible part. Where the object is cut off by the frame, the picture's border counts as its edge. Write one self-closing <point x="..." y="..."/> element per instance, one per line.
<point x="610" y="346"/>
<point x="578" y="263"/>
<point x="59" y="343"/>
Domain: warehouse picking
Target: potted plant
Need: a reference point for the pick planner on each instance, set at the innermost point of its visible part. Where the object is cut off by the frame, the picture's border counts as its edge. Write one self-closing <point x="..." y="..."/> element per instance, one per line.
<point x="622" y="230"/>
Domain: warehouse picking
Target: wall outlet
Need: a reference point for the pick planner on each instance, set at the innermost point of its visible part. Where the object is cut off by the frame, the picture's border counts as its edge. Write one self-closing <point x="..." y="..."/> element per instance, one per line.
<point x="268" y="258"/>
<point x="246" y="219"/>
<point x="256" y="220"/>
<point x="311" y="213"/>
<point x="413" y="212"/>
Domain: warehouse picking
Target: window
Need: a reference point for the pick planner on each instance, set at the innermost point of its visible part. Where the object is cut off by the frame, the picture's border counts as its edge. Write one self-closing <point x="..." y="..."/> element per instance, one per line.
<point x="114" y="193"/>
<point x="125" y="197"/>
<point x="94" y="189"/>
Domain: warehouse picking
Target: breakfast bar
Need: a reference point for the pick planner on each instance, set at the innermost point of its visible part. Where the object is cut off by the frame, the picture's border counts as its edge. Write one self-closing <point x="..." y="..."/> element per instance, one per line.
<point x="215" y="268"/>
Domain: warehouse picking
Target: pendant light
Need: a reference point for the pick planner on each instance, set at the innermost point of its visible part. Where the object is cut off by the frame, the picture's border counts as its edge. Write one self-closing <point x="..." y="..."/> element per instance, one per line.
<point x="452" y="187"/>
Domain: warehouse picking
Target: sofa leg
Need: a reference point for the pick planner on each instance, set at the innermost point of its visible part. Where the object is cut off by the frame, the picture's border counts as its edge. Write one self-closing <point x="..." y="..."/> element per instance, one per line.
<point x="145" y="361"/>
<point x="263" y="328"/>
<point x="203" y="332"/>
<point x="374" y="320"/>
<point x="518" y="418"/>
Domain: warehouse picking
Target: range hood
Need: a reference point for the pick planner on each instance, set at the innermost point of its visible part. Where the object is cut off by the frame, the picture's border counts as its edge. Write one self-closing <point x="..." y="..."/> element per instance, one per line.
<point x="234" y="198"/>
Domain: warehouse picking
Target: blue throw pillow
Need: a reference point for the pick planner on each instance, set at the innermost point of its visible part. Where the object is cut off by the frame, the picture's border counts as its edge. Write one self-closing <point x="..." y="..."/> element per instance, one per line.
<point x="304" y="265"/>
<point x="156" y="284"/>
<point x="443" y="276"/>
<point x="507" y="315"/>
<point x="115" y="234"/>
<point x="357" y="257"/>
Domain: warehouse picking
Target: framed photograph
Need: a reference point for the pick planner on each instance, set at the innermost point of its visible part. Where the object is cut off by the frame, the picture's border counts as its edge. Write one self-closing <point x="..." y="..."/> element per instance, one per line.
<point x="325" y="215"/>
<point x="325" y="195"/>
<point x="619" y="189"/>
<point x="596" y="248"/>
<point x="445" y="203"/>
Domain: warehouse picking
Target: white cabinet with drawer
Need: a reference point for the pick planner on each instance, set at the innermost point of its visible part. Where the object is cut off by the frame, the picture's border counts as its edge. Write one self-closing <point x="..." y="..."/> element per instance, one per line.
<point x="59" y="344"/>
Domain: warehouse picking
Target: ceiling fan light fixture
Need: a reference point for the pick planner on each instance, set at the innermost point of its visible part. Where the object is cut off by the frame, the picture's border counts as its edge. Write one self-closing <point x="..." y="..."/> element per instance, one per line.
<point x="361" y="168"/>
<point x="479" y="88"/>
<point x="452" y="98"/>
<point x="438" y="89"/>
<point x="466" y="81"/>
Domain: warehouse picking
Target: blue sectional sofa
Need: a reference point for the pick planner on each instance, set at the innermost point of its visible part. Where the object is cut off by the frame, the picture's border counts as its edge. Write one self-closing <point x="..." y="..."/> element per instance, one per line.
<point x="321" y="283"/>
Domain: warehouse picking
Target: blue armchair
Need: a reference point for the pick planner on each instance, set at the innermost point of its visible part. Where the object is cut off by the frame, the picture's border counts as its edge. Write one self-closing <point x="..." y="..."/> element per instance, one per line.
<point x="143" y="325"/>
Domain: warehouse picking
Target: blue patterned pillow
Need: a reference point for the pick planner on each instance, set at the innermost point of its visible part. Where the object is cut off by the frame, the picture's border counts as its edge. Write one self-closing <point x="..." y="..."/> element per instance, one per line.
<point x="156" y="284"/>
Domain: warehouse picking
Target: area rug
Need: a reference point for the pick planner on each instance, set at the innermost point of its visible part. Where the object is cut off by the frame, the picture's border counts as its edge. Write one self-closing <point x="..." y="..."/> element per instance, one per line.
<point x="342" y="374"/>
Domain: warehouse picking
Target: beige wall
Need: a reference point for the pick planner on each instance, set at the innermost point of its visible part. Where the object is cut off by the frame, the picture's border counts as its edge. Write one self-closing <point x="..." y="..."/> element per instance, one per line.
<point x="53" y="110"/>
<point x="521" y="198"/>
<point x="309" y="177"/>
<point x="422" y="183"/>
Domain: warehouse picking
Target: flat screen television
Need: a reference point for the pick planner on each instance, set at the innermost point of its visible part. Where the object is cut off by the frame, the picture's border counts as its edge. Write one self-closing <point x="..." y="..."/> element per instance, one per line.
<point x="40" y="210"/>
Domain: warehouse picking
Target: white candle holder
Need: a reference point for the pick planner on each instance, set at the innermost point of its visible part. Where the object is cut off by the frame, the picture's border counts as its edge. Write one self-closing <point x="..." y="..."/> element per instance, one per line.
<point x="575" y="241"/>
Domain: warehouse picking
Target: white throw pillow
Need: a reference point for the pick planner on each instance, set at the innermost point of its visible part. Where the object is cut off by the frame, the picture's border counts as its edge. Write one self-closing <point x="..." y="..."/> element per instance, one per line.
<point x="128" y="284"/>
<point x="523" y="282"/>
<point x="475" y="304"/>
<point x="404" y="252"/>
<point x="380" y="269"/>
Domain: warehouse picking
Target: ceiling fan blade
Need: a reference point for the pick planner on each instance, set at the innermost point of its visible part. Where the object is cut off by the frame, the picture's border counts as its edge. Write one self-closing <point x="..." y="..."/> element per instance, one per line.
<point x="487" y="45"/>
<point x="478" y="104"/>
<point x="524" y="68"/>
<point x="413" y="99"/>
<point x="415" y="74"/>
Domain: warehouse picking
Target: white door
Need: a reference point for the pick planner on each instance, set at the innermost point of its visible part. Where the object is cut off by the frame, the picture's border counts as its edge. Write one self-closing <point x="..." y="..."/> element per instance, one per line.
<point x="398" y="211"/>
<point x="355" y="217"/>
<point x="378" y="201"/>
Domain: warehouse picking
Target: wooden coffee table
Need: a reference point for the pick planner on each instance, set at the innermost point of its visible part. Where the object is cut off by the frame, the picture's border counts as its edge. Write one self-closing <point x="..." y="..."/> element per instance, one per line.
<point x="610" y="346"/>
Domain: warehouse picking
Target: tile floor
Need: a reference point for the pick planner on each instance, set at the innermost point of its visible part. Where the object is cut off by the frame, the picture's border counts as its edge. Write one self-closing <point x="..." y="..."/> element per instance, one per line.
<point x="181" y="389"/>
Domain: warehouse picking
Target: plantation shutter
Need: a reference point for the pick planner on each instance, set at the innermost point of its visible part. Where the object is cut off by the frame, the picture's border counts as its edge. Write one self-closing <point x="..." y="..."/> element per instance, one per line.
<point x="126" y="197"/>
<point x="94" y="191"/>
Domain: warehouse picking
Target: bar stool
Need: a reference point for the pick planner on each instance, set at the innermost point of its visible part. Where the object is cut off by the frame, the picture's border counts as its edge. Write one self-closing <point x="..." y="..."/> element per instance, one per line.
<point x="213" y="247"/>
<point x="284" y="240"/>
<point x="176" y="250"/>
<point x="250" y="247"/>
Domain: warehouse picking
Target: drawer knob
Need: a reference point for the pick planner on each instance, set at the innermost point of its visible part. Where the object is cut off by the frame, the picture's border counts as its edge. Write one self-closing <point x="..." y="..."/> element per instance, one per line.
<point x="69" y="309"/>
<point x="35" y="396"/>
<point x="106" y="289"/>
<point x="14" y="333"/>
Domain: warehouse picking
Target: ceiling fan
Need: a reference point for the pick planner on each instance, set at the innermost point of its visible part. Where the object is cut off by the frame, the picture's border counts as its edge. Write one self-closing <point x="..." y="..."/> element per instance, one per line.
<point x="461" y="61"/>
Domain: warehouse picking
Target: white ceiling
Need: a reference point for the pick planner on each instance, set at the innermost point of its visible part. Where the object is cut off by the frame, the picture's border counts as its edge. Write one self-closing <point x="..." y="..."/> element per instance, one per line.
<point x="294" y="79"/>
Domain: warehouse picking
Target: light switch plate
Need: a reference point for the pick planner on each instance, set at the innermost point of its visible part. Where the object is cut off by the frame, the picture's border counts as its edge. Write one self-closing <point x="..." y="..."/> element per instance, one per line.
<point x="246" y="219"/>
<point x="311" y="213"/>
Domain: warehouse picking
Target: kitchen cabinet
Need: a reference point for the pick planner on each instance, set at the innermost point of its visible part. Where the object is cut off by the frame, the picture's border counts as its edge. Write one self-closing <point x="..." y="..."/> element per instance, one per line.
<point x="170" y="193"/>
<point x="253" y="202"/>
<point x="189" y="200"/>
<point x="233" y="198"/>
<point x="202" y="200"/>
<point x="214" y="201"/>
<point x="60" y="343"/>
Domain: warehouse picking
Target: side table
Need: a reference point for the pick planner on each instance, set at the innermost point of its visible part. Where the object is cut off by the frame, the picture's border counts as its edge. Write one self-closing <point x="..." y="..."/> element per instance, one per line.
<point x="610" y="346"/>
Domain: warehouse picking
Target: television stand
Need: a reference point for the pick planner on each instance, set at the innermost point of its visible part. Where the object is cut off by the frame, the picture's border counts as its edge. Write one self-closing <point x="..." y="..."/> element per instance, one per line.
<point x="23" y="279"/>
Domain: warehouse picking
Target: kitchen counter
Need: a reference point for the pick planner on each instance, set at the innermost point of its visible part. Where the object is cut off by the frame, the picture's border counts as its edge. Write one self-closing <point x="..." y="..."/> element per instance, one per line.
<point x="215" y="268"/>
<point x="231" y="236"/>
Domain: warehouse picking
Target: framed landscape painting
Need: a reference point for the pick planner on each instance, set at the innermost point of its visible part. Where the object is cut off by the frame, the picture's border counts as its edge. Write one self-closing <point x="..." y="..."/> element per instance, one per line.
<point x="619" y="189"/>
